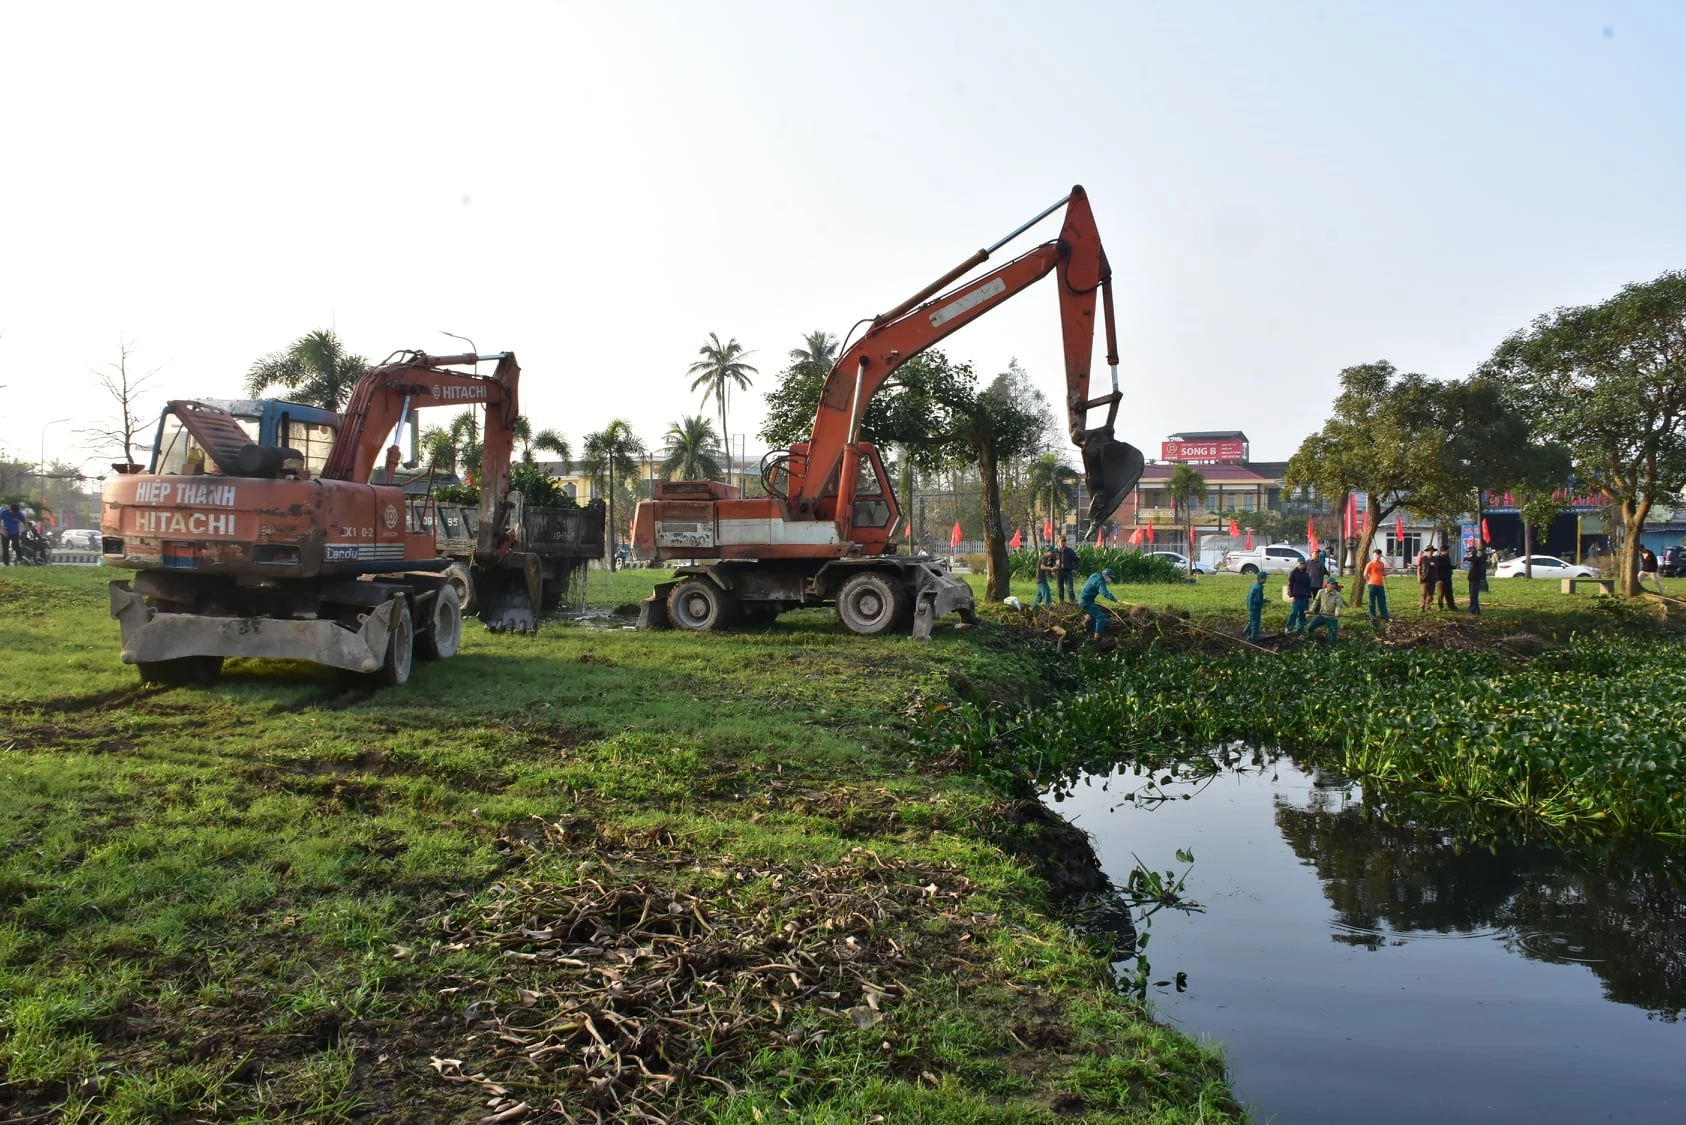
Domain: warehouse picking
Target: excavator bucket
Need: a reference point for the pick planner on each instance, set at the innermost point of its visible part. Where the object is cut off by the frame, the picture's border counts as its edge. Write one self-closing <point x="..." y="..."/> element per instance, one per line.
<point x="508" y="593"/>
<point x="1111" y="469"/>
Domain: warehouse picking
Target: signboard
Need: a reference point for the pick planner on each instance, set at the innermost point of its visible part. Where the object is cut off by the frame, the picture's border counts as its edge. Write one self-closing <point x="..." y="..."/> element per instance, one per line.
<point x="1503" y="503"/>
<point x="1229" y="449"/>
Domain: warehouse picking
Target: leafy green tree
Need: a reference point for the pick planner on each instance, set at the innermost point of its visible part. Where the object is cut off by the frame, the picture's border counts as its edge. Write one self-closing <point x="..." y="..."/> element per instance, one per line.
<point x="985" y="429"/>
<point x="720" y="368"/>
<point x="690" y="452"/>
<point x="1608" y="383"/>
<point x="1187" y="488"/>
<point x="1051" y="480"/>
<point x="538" y="487"/>
<point x="1388" y="439"/>
<point x="314" y="369"/>
<point x="612" y="452"/>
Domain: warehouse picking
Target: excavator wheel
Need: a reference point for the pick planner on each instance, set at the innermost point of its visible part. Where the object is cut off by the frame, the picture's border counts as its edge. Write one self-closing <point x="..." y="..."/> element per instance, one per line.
<point x="400" y="651"/>
<point x="459" y="576"/>
<point x="872" y="602"/>
<point x="184" y="671"/>
<point x="698" y="604"/>
<point x="443" y="634"/>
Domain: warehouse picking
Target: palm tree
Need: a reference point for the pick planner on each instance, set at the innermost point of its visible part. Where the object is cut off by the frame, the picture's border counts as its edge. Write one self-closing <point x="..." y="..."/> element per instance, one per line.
<point x="691" y="449"/>
<point x="465" y="434"/>
<point x="439" y="449"/>
<point x="818" y="350"/>
<point x="552" y="441"/>
<point x="1051" y="479"/>
<point x="611" y="450"/>
<point x="721" y="365"/>
<point x="314" y="369"/>
<point x="1186" y="486"/>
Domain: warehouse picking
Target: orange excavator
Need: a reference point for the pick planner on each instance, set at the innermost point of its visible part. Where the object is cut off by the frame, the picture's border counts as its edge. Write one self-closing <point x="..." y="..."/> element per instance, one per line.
<point x="824" y="532"/>
<point x="257" y="550"/>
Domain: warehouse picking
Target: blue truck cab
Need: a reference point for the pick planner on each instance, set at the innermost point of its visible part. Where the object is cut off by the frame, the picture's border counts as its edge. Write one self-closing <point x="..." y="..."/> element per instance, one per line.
<point x="308" y="429"/>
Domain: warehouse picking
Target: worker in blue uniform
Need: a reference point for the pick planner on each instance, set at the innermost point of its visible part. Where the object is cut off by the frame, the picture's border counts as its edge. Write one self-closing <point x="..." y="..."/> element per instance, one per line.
<point x="1094" y="588"/>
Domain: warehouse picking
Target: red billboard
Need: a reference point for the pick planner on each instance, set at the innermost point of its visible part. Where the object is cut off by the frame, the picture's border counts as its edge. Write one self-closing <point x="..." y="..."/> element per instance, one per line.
<point x="1229" y="449"/>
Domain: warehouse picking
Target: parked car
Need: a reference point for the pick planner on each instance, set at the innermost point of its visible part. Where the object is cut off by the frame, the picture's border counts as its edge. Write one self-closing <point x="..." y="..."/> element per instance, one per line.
<point x="1277" y="558"/>
<point x="1181" y="561"/>
<point x="1544" y="566"/>
<point x="80" y="539"/>
<point x="1672" y="564"/>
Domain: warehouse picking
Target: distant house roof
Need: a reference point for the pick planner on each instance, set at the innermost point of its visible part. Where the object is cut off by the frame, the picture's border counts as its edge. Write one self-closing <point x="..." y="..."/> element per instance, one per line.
<point x="1213" y="474"/>
<point x="1210" y="435"/>
<point x="1275" y="470"/>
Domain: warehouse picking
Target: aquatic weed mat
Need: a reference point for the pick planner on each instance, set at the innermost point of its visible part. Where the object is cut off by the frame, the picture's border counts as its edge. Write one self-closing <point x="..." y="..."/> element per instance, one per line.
<point x="634" y="977"/>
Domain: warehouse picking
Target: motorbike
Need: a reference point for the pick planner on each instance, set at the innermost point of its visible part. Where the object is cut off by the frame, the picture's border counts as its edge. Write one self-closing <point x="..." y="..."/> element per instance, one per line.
<point x="33" y="550"/>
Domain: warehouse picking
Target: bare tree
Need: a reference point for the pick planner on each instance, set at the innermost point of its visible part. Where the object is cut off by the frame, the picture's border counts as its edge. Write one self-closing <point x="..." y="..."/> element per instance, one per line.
<point x="125" y="389"/>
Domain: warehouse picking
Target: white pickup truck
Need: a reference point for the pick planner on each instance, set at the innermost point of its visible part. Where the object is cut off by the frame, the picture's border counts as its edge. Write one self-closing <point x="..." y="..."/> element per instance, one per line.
<point x="1277" y="558"/>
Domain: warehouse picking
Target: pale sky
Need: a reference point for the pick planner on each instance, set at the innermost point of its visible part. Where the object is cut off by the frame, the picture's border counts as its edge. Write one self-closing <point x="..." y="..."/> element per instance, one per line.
<point x="1283" y="189"/>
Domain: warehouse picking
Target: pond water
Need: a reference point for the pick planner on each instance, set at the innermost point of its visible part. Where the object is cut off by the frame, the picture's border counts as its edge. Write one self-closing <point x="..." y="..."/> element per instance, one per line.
<point x="1357" y="970"/>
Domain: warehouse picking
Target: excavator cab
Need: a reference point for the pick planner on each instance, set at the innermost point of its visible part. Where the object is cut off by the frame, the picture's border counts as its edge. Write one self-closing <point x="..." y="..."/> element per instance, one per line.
<point x="1111" y="469"/>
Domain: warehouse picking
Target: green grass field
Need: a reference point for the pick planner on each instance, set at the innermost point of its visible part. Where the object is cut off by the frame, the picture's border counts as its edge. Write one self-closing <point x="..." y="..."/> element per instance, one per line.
<point x="591" y="872"/>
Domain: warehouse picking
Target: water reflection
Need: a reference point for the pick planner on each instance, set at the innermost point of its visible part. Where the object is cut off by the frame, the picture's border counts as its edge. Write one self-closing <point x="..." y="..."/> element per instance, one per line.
<point x="1621" y="915"/>
<point x="1359" y="953"/>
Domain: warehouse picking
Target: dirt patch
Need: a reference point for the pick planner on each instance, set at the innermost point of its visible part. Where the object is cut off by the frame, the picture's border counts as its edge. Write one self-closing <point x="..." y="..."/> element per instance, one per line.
<point x="1059" y="852"/>
<point x="630" y="990"/>
<point x="99" y="701"/>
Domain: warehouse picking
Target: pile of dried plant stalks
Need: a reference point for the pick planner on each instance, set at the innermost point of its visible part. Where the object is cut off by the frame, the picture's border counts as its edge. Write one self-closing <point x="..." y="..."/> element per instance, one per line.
<point x="630" y="995"/>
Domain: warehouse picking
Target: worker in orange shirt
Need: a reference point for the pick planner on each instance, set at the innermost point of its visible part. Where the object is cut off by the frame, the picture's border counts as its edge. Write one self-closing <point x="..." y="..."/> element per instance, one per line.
<point x="1375" y="580"/>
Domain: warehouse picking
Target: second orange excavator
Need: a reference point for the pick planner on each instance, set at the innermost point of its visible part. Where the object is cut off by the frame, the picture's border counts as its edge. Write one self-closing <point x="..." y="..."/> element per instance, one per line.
<point x="825" y="530"/>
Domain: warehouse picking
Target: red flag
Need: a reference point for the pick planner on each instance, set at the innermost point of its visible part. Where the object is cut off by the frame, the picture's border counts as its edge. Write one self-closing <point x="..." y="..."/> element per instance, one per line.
<point x="1234" y="528"/>
<point x="1018" y="539"/>
<point x="1248" y="546"/>
<point x="1136" y="537"/>
<point x="907" y="531"/>
<point x="1399" y="532"/>
<point x="1098" y="532"/>
<point x="1486" y="536"/>
<point x="954" y="536"/>
<point x="1352" y="515"/>
<point x="1311" y="534"/>
<point x="1048" y="530"/>
<point x="1151" y="537"/>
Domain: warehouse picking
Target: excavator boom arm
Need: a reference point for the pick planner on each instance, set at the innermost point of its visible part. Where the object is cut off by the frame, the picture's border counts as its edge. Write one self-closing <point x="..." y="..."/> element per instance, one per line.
<point x="385" y="395"/>
<point x="1079" y="262"/>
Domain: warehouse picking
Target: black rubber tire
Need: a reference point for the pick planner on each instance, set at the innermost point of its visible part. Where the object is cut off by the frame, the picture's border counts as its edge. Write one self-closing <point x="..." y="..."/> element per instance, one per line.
<point x="1249" y="569"/>
<point x="443" y="635"/>
<point x="872" y="602"/>
<point x="185" y="671"/>
<point x="400" y="651"/>
<point x="697" y="604"/>
<point x="460" y="577"/>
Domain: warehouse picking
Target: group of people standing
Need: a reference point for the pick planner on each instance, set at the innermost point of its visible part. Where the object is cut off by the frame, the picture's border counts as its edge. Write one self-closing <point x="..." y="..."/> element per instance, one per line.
<point x="1056" y="563"/>
<point x="1059" y="563"/>
<point x="1315" y="598"/>
<point x="1434" y="576"/>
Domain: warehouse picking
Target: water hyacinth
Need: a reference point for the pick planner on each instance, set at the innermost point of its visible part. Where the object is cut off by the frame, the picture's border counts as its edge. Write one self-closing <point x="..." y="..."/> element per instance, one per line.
<point x="1588" y="736"/>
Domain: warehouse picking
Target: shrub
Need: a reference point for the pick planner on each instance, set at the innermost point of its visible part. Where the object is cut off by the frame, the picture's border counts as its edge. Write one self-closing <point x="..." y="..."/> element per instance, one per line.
<point x="1131" y="567"/>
